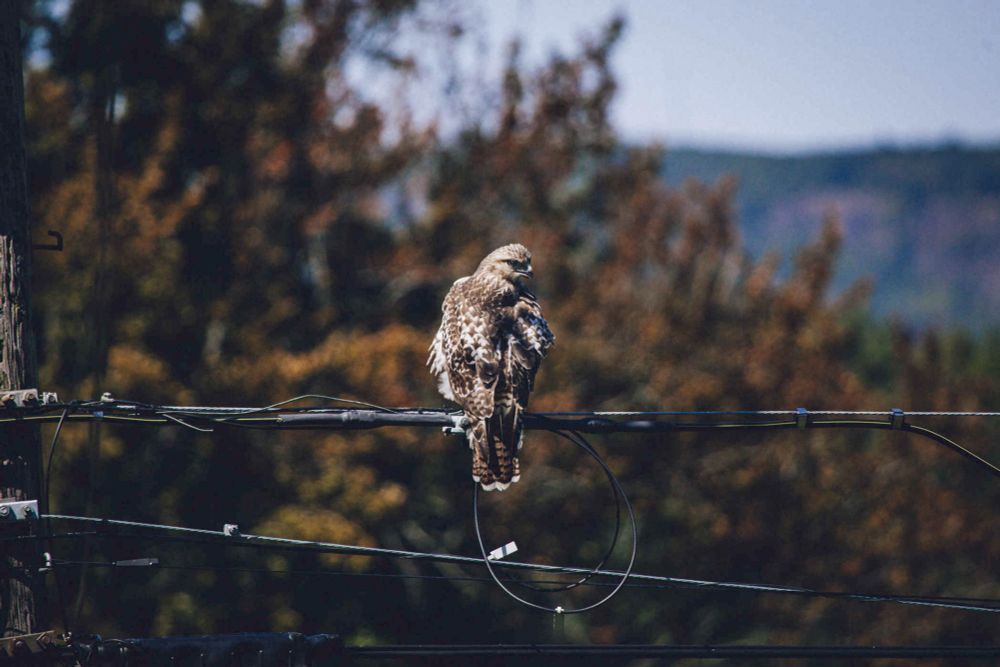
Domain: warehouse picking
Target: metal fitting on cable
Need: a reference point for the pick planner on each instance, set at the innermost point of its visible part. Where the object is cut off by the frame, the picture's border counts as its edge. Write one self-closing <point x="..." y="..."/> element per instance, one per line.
<point x="801" y="417"/>
<point x="460" y="422"/>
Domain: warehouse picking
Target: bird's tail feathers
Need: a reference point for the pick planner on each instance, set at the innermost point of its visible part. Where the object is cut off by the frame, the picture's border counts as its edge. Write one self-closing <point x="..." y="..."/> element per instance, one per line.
<point x="495" y="465"/>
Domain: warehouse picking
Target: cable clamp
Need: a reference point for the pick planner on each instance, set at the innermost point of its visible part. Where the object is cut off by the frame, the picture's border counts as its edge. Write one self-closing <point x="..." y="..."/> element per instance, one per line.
<point x="137" y="562"/>
<point x="801" y="417"/>
<point x="897" y="419"/>
<point x="25" y="645"/>
<point x="459" y="424"/>
<point x="18" y="510"/>
<point x="231" y="530"/>
<point x="27" y="398"/>
<point x="504" y="551"/>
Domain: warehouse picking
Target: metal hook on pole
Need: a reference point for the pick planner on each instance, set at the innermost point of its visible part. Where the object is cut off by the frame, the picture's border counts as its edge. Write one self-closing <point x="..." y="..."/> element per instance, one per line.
<point x="57" y="246"/>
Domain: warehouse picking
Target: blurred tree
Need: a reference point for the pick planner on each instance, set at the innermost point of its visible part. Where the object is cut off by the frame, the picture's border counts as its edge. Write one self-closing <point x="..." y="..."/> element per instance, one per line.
<point x="220" y="207"/>
<point x="271" y="231"/>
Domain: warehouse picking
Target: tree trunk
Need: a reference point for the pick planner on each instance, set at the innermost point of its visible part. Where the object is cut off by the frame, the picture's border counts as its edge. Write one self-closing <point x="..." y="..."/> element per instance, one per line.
<point x="20" y="581"/>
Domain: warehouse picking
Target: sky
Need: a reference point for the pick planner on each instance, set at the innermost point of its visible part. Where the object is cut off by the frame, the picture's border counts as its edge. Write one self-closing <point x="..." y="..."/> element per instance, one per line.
<point x="784" y="75"/>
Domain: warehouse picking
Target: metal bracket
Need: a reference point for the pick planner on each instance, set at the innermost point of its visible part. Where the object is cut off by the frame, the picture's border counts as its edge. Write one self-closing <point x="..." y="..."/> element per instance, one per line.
<point x="801" y="417"/>
<point x="137" y="562"/>
<point x="459" y="422"/>
<point x="23" y="645"/>
<point x="504" y="551"/>
<point x="57" y="246"/>
<point x="27" y="398"/>
<point x="18" y="510"/>
<point x="897" y="419"/>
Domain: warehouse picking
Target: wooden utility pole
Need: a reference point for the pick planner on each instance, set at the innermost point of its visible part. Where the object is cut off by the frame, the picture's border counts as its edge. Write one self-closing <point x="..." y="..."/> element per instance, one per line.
<point x="21" y="584"/>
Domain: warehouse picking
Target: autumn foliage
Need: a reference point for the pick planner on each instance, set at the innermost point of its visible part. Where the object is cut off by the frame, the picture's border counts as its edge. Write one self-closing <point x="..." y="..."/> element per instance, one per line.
<point x="245" y="223"/>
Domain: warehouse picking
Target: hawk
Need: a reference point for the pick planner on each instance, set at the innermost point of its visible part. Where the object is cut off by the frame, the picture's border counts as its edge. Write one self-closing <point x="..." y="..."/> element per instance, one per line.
<point x="485" y="355"/>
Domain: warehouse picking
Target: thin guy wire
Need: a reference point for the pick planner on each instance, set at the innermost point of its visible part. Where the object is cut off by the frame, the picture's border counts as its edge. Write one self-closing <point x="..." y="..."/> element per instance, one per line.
<point x="324" y="573"/>
<point x="52" y="453"/>
<point x="60" y="598"/>
<point x="332" y="547"/>
<point x="279" y="404"/>
<point x="581" y="442"/>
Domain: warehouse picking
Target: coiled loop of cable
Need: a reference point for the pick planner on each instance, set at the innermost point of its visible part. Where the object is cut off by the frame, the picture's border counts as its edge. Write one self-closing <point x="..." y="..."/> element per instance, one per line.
<point x="620" y="498"/>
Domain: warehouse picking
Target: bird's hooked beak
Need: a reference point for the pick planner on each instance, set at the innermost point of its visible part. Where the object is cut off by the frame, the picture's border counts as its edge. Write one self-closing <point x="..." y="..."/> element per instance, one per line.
<point x="526" y="272"/>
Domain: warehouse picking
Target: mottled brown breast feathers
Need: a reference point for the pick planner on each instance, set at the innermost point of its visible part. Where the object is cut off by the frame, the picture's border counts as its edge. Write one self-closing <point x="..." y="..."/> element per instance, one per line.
<point x="486" y="353"/>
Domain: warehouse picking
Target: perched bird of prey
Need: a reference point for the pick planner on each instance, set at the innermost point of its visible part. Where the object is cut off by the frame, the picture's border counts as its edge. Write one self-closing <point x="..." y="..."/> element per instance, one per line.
<point x="485" y="356"/>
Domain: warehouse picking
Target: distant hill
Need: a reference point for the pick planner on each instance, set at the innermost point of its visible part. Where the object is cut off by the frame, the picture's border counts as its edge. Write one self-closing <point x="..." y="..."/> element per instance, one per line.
<point x="924" y="224"/>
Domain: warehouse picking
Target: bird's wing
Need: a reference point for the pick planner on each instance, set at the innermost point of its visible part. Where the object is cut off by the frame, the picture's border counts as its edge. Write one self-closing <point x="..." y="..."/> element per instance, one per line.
<point x="470" y="353"/>
<point x="531" y="339"/>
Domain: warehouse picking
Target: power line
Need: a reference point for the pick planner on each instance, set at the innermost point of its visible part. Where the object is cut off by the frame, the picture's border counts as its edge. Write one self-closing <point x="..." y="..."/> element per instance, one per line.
<point x="119" y="408"/>
<point x="243" y="540"/>
<point x="282" y="416"/>
<point x="272" y="648"/>
<point x="157" y="564"/>
<point x="670" y="583"/>
<point x="634" y="651"/>
<point x="648" y="581"/>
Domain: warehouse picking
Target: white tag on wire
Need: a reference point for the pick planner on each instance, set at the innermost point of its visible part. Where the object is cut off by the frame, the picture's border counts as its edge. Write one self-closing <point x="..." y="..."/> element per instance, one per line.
<point x="505" y="550"/>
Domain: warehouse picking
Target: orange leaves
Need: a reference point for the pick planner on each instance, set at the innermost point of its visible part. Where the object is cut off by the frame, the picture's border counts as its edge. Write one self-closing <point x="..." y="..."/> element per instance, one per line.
<point x="382" y="364"/>
<point x="134" y="372"/>
<point x="309" y="522"/>
<point x="278" y="233"/>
